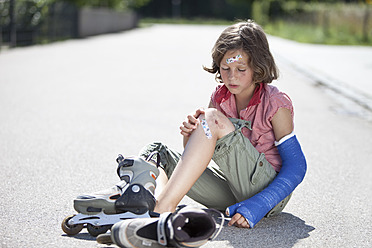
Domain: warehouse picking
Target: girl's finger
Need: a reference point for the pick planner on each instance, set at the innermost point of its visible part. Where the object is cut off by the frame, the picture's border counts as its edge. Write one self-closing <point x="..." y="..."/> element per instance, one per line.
<point x="191" y="119"/>
<point x="189" y="125"/>
<point x="186" y="130"/>
<point x="234" y="219"/>
<point x="185" y="134"/>
<point x="199" y="112"/>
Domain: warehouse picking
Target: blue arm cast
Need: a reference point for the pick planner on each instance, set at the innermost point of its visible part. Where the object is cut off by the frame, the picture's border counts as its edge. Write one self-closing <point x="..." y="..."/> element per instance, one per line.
<point x="291" y="174"/>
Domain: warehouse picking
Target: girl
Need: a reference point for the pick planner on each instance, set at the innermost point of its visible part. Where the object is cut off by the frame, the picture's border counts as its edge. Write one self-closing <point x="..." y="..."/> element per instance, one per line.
<point x="247" y="131"/>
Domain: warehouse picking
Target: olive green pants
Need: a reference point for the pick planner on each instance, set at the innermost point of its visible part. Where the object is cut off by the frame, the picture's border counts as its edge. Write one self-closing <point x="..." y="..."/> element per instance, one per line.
<point x="239" y="172"/>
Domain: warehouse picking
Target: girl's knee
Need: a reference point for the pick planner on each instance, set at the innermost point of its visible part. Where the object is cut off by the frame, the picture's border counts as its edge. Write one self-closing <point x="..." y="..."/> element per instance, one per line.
<point x="217" y="122"/>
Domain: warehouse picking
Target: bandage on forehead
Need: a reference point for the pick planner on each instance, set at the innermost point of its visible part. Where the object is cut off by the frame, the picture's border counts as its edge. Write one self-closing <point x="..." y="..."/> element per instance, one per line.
<point x="234" y="59"/>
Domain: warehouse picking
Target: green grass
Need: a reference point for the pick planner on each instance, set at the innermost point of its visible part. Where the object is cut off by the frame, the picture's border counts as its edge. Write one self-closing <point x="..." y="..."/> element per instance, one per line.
<point x="316" y="35"/>
<point x="289" y="30"/>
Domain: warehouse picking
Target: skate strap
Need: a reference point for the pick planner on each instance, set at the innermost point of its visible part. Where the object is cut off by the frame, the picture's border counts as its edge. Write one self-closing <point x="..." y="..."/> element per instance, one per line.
<point x="219" y="224"/>
<point x="149" y="157"/>
<point x="121" y="185"/>
<point x="162" y="224"/>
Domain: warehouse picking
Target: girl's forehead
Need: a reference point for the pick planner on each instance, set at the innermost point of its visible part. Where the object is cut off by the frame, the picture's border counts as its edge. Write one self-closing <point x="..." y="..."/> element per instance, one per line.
<point x="231" y="53"/>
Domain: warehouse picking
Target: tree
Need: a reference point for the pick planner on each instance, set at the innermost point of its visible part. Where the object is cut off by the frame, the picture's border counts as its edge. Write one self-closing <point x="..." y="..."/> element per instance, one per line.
<point x="114" y="4"/>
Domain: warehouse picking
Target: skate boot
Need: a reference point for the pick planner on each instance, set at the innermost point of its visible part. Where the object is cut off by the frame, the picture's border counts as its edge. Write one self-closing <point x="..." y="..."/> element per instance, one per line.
<point x="186" y="227"/>
<point x="132" y="197"/>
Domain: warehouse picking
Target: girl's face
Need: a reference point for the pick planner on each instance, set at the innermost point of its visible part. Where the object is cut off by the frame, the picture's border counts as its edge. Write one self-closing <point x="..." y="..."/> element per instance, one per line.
<point x="236" y="73"/>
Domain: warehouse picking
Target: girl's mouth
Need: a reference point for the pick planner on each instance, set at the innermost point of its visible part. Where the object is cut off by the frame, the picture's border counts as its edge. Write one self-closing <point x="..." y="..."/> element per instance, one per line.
<point x="233" y="86"/>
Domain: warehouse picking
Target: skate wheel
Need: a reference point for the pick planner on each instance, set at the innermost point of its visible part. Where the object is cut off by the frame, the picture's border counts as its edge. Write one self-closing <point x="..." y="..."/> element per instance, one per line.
<point x="97" y="230"/>
<point x="71" y="229"/>
<point x="104" y="239"/>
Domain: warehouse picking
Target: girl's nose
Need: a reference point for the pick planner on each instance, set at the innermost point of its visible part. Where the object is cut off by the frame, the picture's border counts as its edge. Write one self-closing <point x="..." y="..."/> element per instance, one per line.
<point x="231" y="74"/>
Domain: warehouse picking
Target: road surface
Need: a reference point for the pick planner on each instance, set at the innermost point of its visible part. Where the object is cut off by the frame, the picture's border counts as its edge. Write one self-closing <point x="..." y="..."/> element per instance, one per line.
<point x="68" y="108"/>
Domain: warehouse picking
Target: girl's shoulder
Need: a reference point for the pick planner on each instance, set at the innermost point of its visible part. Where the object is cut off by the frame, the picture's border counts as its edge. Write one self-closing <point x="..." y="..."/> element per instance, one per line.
<point x="274" y="94"/>
<point x="275" y="99"/>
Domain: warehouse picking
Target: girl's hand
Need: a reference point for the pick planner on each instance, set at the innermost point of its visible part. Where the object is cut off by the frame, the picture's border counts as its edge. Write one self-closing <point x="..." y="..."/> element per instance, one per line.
<point x="239" y="221"/>
<point x="191" y="122"/>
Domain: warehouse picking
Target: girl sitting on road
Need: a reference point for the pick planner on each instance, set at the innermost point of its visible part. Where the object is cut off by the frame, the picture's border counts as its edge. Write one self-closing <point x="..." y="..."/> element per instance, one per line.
<point x="247" y="131"/>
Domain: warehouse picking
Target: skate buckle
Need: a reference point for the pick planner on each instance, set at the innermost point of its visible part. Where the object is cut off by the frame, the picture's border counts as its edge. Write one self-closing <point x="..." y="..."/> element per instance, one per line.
<point x="146" y="243"/>
<point x="162" y="239"/>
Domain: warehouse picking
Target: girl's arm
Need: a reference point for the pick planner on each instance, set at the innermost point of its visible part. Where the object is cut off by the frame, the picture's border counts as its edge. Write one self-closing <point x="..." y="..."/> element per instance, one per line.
<point x="291" y="174"/>
<point x="282" y="123"/>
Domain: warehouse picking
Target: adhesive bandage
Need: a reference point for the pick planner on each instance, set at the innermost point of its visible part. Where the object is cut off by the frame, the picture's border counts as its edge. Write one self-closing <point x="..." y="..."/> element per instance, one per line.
<point x="234" y="59"/>
<point x="207" y="131"/>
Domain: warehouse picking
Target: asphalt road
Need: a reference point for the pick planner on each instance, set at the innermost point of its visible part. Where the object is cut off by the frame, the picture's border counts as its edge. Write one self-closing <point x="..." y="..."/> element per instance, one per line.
<point x="67" y="109"/>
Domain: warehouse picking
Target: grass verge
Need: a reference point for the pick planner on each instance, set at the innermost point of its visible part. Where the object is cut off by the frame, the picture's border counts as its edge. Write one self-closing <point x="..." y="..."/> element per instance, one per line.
<point x="316" y="34"/>
<point x="293" y="31"/>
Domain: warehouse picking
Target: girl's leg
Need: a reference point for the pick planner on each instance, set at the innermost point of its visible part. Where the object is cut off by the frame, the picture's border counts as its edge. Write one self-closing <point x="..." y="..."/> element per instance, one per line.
<point x="194" y="160"/>
<point x="161" y="181"/>
<point x="168" y="162"/>
<point x="211" y="189"/>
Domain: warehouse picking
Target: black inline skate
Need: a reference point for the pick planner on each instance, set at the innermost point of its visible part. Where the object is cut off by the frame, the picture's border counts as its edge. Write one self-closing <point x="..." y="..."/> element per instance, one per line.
<point x="186" y="227"/>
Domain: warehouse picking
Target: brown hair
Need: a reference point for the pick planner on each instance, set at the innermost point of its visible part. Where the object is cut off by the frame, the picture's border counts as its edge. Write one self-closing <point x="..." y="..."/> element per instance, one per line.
<point x="251" y="38"/>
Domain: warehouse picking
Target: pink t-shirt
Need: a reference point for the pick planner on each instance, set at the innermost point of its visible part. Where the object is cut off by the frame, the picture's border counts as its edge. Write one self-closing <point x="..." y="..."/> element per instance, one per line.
<point x="266" y="101"/>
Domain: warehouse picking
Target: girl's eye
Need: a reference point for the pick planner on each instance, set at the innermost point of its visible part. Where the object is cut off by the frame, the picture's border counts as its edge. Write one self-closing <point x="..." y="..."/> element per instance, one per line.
<point x="225" y="69"/>
<point x="242" y="70"/>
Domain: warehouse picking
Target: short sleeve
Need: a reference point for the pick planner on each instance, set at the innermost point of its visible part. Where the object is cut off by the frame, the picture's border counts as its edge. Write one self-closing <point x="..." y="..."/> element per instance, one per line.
<point x="213" y="96"/>
<point x="277" y="101"/>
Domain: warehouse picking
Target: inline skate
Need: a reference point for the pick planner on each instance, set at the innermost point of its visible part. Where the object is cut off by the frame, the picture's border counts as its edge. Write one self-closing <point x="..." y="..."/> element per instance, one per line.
<point x="186" y="227"/>
<point x="132" y="197"/>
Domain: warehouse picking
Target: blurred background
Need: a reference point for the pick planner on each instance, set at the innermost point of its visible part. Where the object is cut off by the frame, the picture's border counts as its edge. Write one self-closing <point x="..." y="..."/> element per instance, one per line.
<point x="28" y="22"/>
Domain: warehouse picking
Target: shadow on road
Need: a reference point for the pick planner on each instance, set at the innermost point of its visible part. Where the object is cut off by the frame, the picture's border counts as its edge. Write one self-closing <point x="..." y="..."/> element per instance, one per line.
<point x="283" y="230"/>
<point x="82" y="236"/>
<point x="86" y="236"/>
